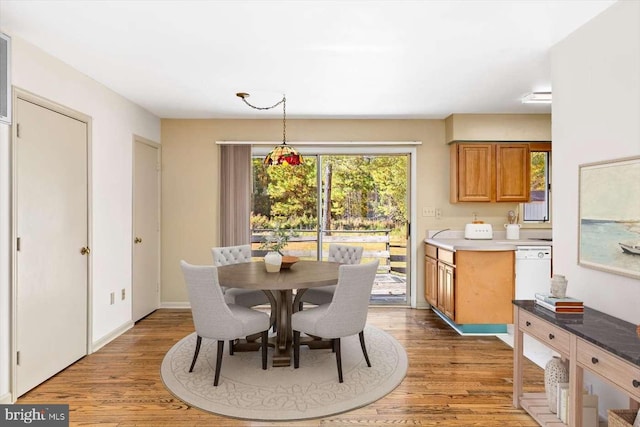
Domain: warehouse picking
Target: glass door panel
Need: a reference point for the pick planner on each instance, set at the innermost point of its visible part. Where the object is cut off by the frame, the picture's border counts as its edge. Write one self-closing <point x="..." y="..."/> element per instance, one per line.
<point x="351" y="199"/>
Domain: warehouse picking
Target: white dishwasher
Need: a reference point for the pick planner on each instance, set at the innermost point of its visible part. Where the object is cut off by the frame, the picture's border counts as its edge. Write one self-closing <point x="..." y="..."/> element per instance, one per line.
<point x="533" y="271"/>
<point x="533" y="274"/>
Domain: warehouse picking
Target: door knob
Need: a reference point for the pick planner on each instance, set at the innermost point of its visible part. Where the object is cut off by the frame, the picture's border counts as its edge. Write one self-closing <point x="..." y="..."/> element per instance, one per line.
<point x="137" y="240"/>
<point x="85" y="250"/>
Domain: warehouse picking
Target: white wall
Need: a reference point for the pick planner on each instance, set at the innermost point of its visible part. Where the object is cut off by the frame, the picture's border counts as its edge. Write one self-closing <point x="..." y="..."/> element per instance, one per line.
<point x="596" y="116"/>
<point x="115" y="120"/>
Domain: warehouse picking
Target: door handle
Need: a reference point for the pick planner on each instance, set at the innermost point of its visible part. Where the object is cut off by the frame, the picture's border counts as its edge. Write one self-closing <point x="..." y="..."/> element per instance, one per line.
<point x="85" y="250"/>
<point x="137" y="240"/>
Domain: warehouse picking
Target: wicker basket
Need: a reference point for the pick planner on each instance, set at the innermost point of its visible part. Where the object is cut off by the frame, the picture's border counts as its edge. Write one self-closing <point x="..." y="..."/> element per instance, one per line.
<point x="622" y="417"/>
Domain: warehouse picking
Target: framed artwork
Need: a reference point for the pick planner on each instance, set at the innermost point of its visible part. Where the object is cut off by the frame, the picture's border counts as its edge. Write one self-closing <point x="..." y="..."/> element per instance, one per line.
<point x="609" y="210"/>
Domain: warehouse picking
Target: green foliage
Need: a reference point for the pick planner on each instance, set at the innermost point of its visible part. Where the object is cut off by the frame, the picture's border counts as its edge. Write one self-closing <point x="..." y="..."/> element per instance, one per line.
<point x="367" y="192"/>
<point x="538" y="177"/>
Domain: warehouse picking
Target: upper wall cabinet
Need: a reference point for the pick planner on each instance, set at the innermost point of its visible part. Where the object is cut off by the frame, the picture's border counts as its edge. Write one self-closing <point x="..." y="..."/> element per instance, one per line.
<point x="490" y="172"/>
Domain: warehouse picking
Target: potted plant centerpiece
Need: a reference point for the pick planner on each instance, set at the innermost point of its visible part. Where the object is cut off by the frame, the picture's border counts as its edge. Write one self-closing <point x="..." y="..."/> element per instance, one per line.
<point x="274" y="243"/>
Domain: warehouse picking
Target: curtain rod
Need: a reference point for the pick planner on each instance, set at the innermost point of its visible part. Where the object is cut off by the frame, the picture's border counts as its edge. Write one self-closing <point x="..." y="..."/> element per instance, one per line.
<point x="322" y="143"/>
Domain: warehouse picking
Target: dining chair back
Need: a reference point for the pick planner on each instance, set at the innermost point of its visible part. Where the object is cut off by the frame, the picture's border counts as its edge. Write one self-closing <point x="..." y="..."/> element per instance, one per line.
<point x="214" y="319"/>
<point x="343" y="254"/>
<point x="345" y="315"/>
<point x="227" y="255"/>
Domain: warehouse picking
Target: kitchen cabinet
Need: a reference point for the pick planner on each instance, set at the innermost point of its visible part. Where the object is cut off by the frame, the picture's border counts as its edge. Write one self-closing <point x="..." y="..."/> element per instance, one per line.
<point x="470" y="287"/>
<point x="431" y="275"/>
<point x="490" y="172"/>
<point x="446" y="284"/>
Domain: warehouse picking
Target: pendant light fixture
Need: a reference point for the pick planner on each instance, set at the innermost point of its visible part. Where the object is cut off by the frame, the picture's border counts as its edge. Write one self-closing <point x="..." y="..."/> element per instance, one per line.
<point x="282" y="153"/>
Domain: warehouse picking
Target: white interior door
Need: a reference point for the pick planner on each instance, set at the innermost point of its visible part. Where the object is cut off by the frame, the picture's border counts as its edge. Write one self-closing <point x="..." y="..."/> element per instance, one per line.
<point x="146" y="229"/>
<point x="51" y="225"/>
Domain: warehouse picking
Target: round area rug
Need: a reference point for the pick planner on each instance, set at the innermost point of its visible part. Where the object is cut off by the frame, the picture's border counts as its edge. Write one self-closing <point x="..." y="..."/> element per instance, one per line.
<point x="278" y="394"/>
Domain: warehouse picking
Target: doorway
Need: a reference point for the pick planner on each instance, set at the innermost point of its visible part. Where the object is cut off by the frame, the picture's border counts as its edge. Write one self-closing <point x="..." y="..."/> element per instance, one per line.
<point x="145" y="289"/>
<point x="51" y="245"/>
<point x="359" y="199"/>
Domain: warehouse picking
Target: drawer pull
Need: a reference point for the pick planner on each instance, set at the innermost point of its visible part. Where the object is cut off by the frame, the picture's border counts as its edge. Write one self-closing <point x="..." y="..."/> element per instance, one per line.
<point x="551" y="336"/>
<point x="636" y="383"/>
<point x="594" y="360"/>
<point x="528" y="323"/>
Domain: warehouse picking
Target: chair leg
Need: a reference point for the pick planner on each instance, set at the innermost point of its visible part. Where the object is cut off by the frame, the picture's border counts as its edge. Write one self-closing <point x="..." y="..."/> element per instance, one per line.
<point x="336" y="345"/>
<point x="195" y="354"/>
<point x="364" y="348"/>
<point x="265" y="343"/>
<point x="296" y="349"/>
<point x="218" y="362"/>
<point x="230" y="347"/>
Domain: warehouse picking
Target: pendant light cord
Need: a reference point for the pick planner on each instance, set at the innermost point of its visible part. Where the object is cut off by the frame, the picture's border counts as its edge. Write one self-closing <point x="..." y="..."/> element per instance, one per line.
<point x="283" y="101"/>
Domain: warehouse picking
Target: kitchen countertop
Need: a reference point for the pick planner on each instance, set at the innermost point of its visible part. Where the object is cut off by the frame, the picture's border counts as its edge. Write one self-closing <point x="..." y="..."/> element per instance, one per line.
<point x="455" y="241"/>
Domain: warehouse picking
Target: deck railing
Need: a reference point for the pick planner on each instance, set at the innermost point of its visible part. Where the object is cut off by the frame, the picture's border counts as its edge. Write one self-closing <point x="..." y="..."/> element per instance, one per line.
<point x="377" y="245"/>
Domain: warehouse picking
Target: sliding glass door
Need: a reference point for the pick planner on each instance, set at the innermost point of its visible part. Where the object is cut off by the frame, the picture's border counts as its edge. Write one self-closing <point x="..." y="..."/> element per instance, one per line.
<point x="354" y="199"/>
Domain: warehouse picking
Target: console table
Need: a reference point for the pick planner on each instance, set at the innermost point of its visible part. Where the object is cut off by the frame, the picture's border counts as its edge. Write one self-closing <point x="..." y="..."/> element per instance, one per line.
<point x="594" y="341"/>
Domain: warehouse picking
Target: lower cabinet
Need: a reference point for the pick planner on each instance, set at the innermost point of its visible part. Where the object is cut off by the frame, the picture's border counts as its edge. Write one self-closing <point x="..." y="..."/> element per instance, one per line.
<point x="446" y="289"/>
<point x="470" y="287"/>
<point x="431" y="280"/>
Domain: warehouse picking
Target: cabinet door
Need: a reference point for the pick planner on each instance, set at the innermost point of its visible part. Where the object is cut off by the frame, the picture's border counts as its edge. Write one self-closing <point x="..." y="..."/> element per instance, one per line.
<point x="431" y="281"/>
<point x="449" y="291"/>
<point x="513" y="176"/>
<point x="474" y="178"/>
<point x="441" y="286"/>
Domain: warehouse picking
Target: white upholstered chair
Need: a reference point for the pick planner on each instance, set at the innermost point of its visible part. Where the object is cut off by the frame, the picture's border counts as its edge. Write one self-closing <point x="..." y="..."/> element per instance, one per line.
<point x="227" y="255"/>
<point x="215" y="319"/>
<point x="346" y="315"/>
<point x="344" y="254"/>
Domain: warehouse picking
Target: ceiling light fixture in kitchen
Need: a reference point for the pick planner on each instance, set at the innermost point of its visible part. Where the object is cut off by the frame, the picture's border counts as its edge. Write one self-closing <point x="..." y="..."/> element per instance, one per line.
<point x="282" y="153"/>
<point x="537" y="98"/>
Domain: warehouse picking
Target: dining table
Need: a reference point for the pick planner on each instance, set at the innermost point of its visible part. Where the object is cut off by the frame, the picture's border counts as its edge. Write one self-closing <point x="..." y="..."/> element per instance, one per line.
<point x="279" y="287"/>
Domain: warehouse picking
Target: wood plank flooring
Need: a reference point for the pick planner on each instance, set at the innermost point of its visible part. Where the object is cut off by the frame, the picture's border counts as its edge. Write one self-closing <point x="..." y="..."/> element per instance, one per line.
<point x="452" y="380"/>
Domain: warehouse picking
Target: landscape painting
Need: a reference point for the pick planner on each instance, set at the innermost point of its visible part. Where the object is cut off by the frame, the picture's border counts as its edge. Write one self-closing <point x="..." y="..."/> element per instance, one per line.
<point x="610" y="216"/>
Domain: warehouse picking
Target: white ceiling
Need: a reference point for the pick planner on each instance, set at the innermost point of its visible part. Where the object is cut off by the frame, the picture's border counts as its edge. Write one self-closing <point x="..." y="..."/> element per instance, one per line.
<point x="332" y="59"/>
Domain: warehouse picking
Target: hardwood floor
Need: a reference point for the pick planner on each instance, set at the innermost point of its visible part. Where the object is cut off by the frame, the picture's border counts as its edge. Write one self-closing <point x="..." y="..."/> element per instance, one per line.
<point x="452" y="380"/>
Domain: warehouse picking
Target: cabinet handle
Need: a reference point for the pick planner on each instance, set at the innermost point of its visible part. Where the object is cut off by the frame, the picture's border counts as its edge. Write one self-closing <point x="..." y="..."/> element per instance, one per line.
<point x="528" y="323"/>
<point x="636" y="383"/>
<point x="594" y="360"/>
<point x="551" y="336"/>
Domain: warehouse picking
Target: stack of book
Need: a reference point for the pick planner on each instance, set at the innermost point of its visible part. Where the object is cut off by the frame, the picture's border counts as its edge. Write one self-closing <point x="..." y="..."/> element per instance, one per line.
<point x="566" y="305"/>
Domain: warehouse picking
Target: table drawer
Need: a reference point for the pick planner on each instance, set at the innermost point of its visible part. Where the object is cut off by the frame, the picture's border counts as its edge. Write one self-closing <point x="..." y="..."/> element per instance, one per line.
<point x="620" y="372"/>
<point x="545" y="332"/>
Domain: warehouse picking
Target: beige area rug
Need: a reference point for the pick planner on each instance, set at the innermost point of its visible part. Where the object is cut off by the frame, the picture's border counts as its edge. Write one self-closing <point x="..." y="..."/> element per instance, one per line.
<point x="278" y="394"/>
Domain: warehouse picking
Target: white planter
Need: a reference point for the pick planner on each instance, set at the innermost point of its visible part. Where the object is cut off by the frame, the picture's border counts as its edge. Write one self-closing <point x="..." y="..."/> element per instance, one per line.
<point x="272" y="262"/>
<point x="559" y="286"/>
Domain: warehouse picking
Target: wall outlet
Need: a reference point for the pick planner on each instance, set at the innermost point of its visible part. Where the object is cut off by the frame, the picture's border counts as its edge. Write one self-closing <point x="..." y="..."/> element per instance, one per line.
<point x="428" y="211"/>
<point x="123" y="294"/>
<point x="438" y="213"/>
<point x="113" y="298"/>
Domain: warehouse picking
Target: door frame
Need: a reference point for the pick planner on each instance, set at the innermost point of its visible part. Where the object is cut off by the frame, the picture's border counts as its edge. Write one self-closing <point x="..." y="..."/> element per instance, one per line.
<point x="261" y="148"/>
<point x="25" y="95"/>
<point x="142" y="140"/>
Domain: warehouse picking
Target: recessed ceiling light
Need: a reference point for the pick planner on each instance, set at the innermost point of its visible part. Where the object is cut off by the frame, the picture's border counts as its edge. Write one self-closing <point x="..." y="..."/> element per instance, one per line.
<point x="537" y="98"/>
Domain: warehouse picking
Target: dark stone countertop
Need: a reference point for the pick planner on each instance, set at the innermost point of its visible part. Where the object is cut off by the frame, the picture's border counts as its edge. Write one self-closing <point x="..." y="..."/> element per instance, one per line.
<point x="612" y="334"/>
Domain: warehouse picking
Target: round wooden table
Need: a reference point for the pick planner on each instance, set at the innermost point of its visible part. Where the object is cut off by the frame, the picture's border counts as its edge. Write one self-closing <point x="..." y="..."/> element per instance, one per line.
<point x="279" y="289"/>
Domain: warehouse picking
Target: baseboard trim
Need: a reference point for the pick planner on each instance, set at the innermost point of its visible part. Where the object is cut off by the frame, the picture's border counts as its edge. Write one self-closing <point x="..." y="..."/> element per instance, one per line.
<point x="97" y="345"/>
<point x="6" y="399"/>
<point x="175" y="304"/>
